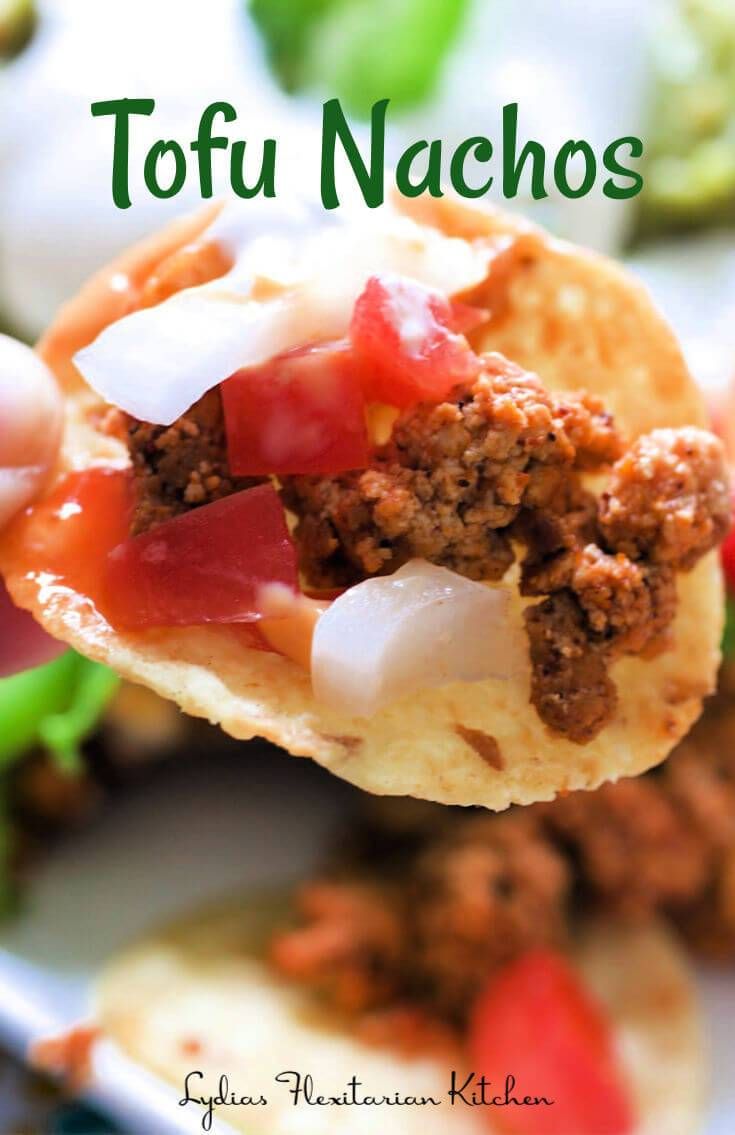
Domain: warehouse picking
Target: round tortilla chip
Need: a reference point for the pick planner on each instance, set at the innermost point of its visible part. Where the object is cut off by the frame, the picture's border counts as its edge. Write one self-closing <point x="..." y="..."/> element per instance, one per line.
<point x="581" y="323"/>
<point x="197" y="996"/>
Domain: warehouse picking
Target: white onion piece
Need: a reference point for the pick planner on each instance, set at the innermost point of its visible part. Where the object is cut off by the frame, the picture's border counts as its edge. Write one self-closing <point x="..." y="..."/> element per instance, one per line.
<point x="423" y="626"/>
<point x="155" y="363"/>
<point x="282" y="292"/>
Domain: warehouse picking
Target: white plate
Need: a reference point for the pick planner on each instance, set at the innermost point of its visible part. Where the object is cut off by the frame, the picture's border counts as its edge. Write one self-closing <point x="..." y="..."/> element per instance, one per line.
<point x="199" y="831"/>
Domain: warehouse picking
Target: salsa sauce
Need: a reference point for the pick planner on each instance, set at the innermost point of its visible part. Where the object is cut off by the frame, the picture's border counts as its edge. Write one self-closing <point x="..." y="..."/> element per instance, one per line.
<point x="67" y="537"/>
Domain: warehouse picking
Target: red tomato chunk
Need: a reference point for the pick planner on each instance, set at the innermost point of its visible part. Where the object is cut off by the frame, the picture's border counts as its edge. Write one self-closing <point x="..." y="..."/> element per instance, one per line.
<point x="205" y="566"/>
<point x="728" y="557"/>
<point x="301" y="412"/>
<point x="537" y="1023"/>
<point x="403" y="336"/>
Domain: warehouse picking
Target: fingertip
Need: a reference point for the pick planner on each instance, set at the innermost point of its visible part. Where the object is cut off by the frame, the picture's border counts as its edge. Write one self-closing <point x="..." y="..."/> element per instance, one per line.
<point x="30" y="424"/>
<point x="23" y="642"/>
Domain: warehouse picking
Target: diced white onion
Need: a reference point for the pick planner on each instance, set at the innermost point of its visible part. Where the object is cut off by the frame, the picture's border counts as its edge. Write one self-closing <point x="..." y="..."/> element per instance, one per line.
<point x="423" y="626"/>
<point x="283" y="291"/>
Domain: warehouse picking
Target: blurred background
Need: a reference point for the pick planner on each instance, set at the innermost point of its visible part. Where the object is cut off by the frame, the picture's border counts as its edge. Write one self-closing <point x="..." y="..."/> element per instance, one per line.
<point x="72" y="739"/>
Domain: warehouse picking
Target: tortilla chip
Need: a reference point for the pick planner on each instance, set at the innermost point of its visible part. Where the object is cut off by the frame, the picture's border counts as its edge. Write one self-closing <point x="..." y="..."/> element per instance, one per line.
<point x="197" y="996"/>
<point x="580" y="322"/>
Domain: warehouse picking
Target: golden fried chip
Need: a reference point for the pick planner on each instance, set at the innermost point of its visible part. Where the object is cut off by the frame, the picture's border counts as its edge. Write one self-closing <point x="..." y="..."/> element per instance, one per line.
<point x="579" y="322"/>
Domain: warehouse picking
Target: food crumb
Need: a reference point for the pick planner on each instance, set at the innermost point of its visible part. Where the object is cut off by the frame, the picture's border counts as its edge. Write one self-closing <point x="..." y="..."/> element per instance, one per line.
<point x="345" y="740"/>
<point x="484" y="744"/>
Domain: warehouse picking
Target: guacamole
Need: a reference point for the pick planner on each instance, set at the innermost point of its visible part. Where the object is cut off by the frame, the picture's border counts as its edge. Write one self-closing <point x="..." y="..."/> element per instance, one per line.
<point x="690" y="140"/>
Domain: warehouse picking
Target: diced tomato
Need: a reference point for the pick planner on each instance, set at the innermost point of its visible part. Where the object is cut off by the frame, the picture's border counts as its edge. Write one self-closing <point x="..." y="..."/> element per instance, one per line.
<point x="537" y="1023"/>
<point x="205" y="566"/>
<point x="68" y="535"/>
<point x="301" y="412"/>
<point x="728" y="560"/>
<point x="728" y="555"/>
<point x="403" y="336"/>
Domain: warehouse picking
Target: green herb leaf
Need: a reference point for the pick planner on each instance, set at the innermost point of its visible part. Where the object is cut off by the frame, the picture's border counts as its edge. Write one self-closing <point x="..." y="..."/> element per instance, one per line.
<point x="287" y="27"/>
<point x="360" y="50"/>
<point x="56" y="705"/>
